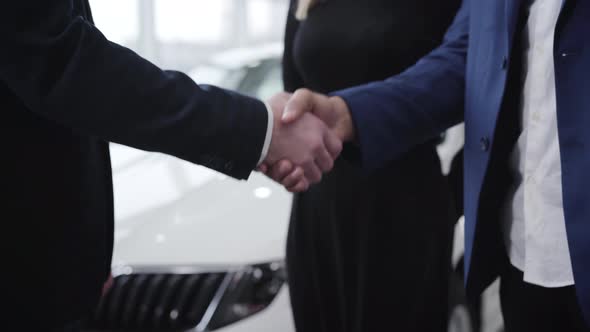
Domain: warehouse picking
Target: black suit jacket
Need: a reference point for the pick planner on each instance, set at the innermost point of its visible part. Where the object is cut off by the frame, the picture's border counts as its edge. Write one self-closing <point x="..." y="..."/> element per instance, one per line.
<point x="65" y="91"/>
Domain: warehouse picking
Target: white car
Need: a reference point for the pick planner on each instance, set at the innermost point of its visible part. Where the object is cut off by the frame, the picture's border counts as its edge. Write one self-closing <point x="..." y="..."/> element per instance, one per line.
<point x="196" y="250"/>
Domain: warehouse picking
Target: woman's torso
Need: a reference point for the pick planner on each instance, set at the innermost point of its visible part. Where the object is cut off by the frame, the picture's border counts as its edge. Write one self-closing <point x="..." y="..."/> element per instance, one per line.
<point x="343" y="43"/>
<point x="364" y="246"/>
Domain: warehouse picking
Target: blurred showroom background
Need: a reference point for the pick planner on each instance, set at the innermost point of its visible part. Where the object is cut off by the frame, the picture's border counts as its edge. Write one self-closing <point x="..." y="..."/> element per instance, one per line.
<point x="180" y="34"/>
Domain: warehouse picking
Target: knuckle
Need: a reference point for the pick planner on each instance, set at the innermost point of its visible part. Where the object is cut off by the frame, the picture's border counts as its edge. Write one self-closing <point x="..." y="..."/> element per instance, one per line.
<point x="315" y="177"/>
<point x="304" y="92"/>
<point x="317" y="146"/>
<point x="330" y="164"/>
<point x="300" y="176"/>
<point x="276" y="176"/>
<point x="284" y="168"/>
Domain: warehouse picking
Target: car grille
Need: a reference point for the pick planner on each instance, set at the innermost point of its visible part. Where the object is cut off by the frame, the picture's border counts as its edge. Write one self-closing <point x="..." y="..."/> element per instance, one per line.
<point x="156" y="302"/>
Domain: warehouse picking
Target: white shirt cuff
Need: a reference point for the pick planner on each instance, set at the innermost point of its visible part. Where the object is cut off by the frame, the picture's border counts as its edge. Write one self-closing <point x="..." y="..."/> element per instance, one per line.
<point x="267" y="139"/>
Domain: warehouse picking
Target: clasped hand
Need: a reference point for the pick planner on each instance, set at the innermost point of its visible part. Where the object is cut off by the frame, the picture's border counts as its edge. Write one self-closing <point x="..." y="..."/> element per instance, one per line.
<point x="308" y="132"/>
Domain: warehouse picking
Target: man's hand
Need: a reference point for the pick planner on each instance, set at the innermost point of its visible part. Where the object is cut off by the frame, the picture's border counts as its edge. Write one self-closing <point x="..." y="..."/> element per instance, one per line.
<point x="333" y="111"/>
<point x="307" y="148"/>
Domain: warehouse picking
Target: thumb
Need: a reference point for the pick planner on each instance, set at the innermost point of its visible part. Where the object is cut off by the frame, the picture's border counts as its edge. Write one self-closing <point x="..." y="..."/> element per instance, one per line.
<point x="300" y="103"/>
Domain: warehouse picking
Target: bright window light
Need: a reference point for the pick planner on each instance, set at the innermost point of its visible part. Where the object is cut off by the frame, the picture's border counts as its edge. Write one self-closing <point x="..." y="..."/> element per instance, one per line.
<point x="191" y="20"/>
<point x="259" y="17"/>
<point x="117" y="19"/>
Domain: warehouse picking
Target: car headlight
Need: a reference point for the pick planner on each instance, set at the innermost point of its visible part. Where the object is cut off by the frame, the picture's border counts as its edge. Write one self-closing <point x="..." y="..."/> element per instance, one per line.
<point x="185" y="298"/>
<point x="247" y="292"/>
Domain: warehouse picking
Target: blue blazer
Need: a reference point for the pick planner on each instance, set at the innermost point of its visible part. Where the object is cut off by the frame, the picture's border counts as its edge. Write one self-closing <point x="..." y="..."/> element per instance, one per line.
<point x="465" y="79"/>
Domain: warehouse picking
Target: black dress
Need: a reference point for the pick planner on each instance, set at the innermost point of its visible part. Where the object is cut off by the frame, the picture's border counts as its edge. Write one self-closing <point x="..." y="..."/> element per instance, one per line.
<point x="369" y="252"/>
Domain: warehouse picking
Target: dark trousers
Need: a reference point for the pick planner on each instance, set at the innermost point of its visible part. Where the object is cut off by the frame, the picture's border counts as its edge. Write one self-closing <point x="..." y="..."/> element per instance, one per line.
<point x="528" y="307"/>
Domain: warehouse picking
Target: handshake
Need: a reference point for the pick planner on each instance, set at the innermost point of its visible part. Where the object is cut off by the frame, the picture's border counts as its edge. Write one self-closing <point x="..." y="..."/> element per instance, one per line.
<point x="308" y="132"/>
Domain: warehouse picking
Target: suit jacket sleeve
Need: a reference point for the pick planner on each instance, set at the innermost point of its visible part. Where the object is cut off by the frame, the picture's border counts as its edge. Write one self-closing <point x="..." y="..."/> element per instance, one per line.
<point x="62" y="68"/>
<point x="394" y="115"/>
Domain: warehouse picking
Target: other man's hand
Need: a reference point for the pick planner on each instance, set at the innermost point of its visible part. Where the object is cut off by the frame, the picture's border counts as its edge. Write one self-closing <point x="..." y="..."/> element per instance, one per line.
<point x="332" y="110"/>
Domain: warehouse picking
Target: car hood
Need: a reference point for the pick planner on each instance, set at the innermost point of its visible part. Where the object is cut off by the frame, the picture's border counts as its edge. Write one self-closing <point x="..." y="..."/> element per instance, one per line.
<point x="171" y="212"/>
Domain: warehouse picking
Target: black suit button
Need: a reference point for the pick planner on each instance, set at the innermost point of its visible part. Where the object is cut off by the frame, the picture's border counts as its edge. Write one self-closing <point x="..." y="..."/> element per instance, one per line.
<point x="484" y="144"/>
<point x="504" y="63"/>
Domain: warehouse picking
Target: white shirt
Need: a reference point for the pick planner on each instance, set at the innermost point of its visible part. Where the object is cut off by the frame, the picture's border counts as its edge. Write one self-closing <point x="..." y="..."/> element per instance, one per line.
<point x="267" y="138"/>
<point x="534" y="228"/>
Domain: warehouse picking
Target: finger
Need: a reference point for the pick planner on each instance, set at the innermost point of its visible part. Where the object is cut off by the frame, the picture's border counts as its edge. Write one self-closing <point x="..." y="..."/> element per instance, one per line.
<point x="312" y="173"/>
<point x="300" y="103"/>
<point x="301" y="186"/>
<point x="281" y="170"/>
<point x="108" y="284"/>
<point x="333" y="144"/>
<point x="263" y="168"/>
<point x="294" y="178"/>
<point x="324" y="161"/>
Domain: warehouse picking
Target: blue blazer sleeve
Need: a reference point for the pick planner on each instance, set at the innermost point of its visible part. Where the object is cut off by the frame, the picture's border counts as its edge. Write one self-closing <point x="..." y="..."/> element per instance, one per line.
<point x="62" y="68"/>
<point x="394" y="115"/>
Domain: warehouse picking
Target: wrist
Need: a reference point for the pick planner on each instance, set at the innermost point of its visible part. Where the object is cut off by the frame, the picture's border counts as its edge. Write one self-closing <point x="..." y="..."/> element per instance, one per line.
<point x="344" y="127"/>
